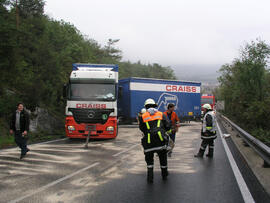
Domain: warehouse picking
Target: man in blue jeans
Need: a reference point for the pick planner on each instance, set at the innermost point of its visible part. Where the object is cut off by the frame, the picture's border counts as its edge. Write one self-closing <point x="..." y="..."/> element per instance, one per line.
<point x="19" y="126"/>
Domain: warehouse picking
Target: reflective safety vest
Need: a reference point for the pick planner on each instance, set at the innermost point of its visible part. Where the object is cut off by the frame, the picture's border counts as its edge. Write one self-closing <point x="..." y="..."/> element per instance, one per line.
<point x="174" y="117"/>
<point x="174" y="120"/>
<point x="209" y="131"/>
<point x="154" y="137"/>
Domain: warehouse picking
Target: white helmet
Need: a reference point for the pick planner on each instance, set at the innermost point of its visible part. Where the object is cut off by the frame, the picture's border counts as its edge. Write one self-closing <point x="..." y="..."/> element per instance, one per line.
<point x="207" y="106"/>
<point x="149" y="102"/>
<point x="143" y="110"/>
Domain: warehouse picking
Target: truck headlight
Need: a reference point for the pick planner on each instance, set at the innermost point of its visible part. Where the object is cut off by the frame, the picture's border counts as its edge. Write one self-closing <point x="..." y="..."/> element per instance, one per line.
<point x="110" y="128"/>
<point x="71" y="128"/>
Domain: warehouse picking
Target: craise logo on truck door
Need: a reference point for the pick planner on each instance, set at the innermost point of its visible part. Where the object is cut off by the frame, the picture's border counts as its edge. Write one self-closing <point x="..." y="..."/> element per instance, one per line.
<point x="165" y="99"/>
<point x="91" y="106"/>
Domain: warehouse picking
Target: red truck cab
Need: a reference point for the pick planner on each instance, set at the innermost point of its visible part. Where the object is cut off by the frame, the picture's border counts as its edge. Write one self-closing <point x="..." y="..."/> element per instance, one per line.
<point x="91" y="108"/>
<point x="208" y="99"/>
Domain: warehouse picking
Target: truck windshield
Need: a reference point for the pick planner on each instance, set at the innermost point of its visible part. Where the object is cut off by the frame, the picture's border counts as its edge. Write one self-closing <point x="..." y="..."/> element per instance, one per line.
<point x="92" y="92"/>
<point x="206" y="100"/>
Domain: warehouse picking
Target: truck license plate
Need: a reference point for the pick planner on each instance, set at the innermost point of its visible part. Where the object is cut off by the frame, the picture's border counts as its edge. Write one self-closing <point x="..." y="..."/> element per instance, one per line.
<point x="90" y="127"/>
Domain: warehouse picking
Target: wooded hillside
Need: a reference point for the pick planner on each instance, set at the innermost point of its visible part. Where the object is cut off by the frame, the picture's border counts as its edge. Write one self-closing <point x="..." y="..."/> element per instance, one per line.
<point x="36" y="56"/>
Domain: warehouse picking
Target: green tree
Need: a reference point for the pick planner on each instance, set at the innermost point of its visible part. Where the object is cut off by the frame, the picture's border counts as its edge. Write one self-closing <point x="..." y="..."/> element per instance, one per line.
<point x="244" y="85"/>
<point x="31" y="8"/>
<point x="36" y="57"/>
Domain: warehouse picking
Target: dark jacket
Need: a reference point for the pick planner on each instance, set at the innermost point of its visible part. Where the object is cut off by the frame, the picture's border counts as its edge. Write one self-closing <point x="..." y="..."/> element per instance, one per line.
<point x="24" y="121"/>
<point x="155" y="142"/>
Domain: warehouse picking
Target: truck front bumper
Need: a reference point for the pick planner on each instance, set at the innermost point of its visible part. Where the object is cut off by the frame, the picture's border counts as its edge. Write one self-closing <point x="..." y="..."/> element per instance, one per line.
<point x="101" y="131"/>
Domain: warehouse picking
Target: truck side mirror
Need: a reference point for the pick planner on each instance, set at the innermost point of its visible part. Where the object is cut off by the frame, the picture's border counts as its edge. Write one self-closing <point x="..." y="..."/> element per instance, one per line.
<point x="65" y="91"/>
<point x="120" y="92"/>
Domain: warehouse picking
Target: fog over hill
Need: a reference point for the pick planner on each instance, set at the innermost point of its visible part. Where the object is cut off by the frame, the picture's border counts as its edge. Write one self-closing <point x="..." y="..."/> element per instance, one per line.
<point x="207" y="74"/>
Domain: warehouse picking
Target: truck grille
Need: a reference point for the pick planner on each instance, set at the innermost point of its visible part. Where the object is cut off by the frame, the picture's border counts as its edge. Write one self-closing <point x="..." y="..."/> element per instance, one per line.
<point x="91" y="115"/>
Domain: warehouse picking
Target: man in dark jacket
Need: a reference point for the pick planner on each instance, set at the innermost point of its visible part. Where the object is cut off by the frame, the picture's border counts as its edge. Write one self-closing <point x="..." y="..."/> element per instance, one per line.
<point x="19" y="126"/>
<point x="154" y="125"/>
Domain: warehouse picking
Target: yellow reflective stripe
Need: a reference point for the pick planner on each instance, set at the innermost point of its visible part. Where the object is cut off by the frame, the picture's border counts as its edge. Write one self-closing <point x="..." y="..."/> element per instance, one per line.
<point x="148" y="138"/>
<point x="160" y="136"/>
<point x="169" y="131"/>
<point x="209" y="128"/>
<point x="158" y="123"/>
<point x="147" y="125"/>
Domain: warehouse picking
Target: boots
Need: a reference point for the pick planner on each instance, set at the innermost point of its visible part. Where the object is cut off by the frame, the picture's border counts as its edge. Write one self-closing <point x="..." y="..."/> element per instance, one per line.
<point x="164" y="173"/>
<point x="150" y="175"/>
<point x="210" y="153"/>
<point x="200" y="154"/>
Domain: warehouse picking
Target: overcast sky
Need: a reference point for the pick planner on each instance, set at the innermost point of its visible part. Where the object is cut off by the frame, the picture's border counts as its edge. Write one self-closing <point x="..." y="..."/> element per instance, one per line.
<point x="170" y="32"/>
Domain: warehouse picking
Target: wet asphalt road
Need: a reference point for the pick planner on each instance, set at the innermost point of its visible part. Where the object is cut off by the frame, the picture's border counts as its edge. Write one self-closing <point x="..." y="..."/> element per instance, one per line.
<point x="115" y="171"/>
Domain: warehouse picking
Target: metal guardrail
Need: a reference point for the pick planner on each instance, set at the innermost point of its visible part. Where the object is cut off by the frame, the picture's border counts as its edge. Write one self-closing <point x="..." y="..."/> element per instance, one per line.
<point x="262" y="149"/>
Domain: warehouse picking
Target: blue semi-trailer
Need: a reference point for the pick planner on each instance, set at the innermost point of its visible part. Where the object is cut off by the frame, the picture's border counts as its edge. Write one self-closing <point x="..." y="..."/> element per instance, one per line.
<point x="185" y="95"/>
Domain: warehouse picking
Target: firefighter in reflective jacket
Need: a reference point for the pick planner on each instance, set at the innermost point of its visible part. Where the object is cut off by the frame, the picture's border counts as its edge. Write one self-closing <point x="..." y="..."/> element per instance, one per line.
<point x="208" y="133"/>
<point x="154" y="125"/>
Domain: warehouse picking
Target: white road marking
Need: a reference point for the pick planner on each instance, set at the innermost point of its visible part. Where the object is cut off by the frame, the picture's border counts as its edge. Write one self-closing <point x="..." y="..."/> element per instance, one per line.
<point x="117" y="154"/>
<point x="40" y="143"/>
<point x="54" y="183"/>
<point x="12" y="163"/>
<point x="60" y="150"/>
<point x="36" y="159"/>
<point x="238" y="176"/>
<point x="47" y="142"/>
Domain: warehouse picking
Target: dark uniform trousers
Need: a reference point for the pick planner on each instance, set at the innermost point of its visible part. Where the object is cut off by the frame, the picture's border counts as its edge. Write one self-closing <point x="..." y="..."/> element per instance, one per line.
<point x="149" y="158"/>
<point x="207" y="142"/>
<point x="21" y="141"/>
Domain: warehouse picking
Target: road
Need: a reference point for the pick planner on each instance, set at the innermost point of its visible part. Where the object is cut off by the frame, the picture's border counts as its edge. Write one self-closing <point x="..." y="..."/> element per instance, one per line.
<point x="115" y="171"/>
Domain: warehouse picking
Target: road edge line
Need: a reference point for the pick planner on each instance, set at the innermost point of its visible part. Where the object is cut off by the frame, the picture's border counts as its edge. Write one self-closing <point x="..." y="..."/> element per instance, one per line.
<point x="237" y="174"/>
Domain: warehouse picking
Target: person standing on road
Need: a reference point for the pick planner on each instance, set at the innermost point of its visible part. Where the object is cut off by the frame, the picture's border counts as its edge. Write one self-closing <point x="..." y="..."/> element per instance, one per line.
<point x="19" y="126"/>
<point x="208" y="133"/>
<point x="175" y="122"/>
<point x="154" y="125"/>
